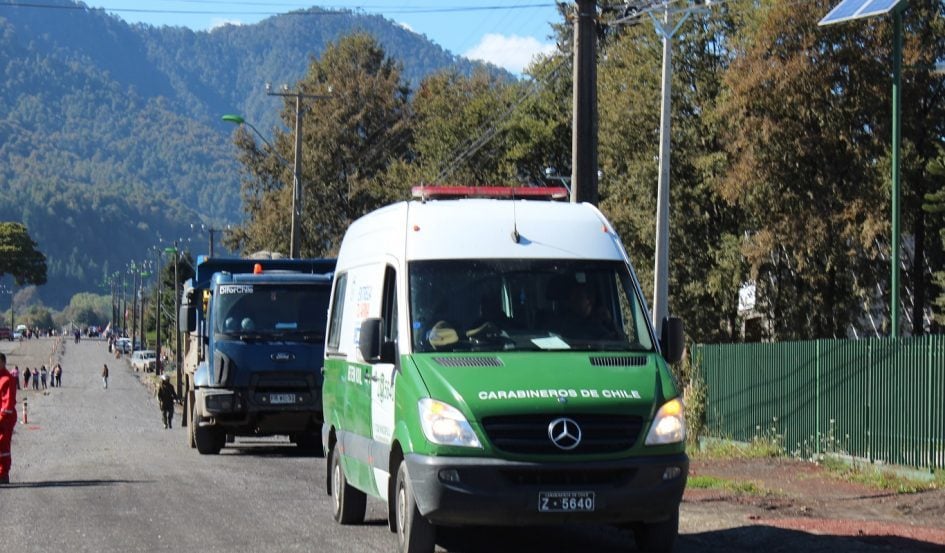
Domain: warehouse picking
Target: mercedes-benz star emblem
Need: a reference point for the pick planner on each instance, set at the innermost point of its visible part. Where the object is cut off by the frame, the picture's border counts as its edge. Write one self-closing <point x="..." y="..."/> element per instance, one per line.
<point x="564" y="433"/>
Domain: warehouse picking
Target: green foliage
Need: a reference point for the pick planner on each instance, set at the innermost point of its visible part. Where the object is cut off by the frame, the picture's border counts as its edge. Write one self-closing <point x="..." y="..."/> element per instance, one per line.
<point x="935" y="208"/>
<point x="715" y="483"/>
<point x="110" y="134"/>
<point x="19" y="256"/>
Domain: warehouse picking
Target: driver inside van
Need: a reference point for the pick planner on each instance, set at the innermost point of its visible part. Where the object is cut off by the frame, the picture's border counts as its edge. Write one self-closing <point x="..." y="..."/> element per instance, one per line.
<point x="584" y="317"/>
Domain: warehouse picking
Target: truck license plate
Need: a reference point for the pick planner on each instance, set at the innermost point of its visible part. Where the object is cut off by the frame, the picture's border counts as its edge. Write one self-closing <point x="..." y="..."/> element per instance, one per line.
<point x="565" y="502"/>
<point x="278" y="399"/>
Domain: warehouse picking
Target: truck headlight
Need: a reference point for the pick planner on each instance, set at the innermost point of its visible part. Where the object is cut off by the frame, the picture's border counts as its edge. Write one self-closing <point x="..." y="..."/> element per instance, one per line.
<point x="219" y="403"/>
<point x="669" y="425"/>
<point x="444" y="425"/>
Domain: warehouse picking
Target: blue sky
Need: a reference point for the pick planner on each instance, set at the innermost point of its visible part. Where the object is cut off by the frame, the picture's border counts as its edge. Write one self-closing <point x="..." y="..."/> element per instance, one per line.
<point x="478" y="29"/>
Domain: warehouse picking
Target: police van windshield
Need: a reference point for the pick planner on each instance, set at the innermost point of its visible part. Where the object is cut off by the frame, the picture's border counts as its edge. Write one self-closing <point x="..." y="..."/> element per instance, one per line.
<point x="270" y="310"/>
<point x="525" y="304"/>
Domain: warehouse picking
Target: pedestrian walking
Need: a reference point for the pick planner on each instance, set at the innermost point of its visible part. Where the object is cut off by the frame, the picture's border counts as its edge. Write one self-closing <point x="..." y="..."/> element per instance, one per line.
<point x="57" y="374"/>
<point x="105" y="375"/>
<point x="15" y="373"/>
<point x="35" y="378"/>
<point x="7" y="419"/>
<point x="166" y="397"/>
<point x="42" y="376"/>
<point x="26" y="378"/>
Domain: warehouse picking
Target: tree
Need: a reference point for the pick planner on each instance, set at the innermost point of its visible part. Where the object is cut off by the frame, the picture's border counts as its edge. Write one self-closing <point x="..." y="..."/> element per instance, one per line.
<point x="804" y="110"/>
<point x="935" y="207"/>
<point x="19" y="256"/>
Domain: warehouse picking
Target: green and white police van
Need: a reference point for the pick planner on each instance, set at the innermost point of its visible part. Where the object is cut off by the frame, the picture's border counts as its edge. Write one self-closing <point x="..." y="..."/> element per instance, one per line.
<point x="491" y="362"/>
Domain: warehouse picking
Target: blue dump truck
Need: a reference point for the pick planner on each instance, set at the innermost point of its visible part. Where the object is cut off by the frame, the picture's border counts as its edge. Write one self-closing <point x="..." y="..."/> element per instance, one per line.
<point x="254" y="347"/>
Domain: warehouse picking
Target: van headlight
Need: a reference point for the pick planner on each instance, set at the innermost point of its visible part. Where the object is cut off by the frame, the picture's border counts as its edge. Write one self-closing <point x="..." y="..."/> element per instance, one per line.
<point x="669" y="425"/>
<point x="443" y="424"/>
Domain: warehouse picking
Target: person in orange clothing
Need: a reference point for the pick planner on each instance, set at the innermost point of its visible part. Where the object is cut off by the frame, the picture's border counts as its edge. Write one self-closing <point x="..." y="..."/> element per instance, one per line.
<point x="7" y="418"/>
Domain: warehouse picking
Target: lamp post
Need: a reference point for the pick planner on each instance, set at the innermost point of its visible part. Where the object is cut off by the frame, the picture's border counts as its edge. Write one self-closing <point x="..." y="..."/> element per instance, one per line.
<point x="295" y="236"/>
<point x="177" y="352"/>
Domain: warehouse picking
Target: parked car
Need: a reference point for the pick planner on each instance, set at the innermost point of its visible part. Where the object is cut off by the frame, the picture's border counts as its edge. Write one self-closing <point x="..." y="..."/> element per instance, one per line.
<point x="144" y="360"/>
<point x="6" y="334"/>
<point x="17" y="335"/>
<point x="123" y="345"/>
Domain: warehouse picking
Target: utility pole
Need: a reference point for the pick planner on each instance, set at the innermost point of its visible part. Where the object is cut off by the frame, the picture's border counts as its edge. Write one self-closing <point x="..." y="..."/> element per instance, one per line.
<point x="666" y="29"/>
<point x="584" y="105"/>
<point x="159" y="283"/>
<point x="296" y="236"/>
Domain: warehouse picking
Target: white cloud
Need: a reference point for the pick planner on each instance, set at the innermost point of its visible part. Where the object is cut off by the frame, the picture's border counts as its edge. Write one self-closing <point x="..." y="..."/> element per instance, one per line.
<point x="407" y="27"/>
<point x="216" y="23"/>
<point x="511" y="52"/>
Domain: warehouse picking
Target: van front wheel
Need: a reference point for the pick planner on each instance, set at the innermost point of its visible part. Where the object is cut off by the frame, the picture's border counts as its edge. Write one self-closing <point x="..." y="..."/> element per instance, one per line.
<point x="349" y="502"/>
<point x="658" y="537"/>
<point x="415" y="534"/>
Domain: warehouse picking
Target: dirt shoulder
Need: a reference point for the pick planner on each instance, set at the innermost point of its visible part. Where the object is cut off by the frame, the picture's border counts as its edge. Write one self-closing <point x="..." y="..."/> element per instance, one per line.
<point x="801" y="496"/>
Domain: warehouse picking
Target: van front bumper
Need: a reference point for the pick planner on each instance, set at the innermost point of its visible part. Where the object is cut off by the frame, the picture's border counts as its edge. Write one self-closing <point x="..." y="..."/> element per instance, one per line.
<point x="455" y="491"/>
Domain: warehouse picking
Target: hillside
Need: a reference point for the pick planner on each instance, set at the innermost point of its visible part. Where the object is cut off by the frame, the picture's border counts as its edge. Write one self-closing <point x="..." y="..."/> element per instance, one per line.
<point x="110" y="133"/>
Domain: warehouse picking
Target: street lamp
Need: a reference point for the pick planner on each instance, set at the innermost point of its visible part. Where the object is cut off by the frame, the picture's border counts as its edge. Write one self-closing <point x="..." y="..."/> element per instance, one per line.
<point x="296" y="236"/>
<point x="177" y="352"/>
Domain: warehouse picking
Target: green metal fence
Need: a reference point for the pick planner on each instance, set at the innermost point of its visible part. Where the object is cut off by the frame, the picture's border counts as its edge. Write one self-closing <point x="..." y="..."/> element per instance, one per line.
<point x="880" y="399"/>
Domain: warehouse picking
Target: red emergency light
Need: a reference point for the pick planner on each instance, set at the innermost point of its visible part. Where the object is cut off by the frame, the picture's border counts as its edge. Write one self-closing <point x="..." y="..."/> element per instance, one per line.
<point x="257" y="269"/>
<point x="512" y="192"/>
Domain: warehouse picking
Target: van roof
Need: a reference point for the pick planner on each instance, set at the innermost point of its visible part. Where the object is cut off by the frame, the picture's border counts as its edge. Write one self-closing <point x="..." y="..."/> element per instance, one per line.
<point x="482" y="228"/>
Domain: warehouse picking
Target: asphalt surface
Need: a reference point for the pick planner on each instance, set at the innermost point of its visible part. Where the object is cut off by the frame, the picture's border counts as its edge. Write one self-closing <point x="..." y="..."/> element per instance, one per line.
<point x="94" y="470"/>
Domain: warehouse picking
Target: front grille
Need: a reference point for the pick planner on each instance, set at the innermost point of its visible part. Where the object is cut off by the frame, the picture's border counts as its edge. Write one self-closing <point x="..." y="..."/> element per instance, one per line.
<point x="624" y="361"/>
<point x="538" y="477"/>
<point x="528" y="434"/>
<point x="469" y="361"/>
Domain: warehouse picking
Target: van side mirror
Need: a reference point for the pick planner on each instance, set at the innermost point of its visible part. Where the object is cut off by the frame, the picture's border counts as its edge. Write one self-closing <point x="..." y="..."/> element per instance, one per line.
<point x="371" y="339"/>
<point x="188" y="318"/>
<point x="672" y="339"/>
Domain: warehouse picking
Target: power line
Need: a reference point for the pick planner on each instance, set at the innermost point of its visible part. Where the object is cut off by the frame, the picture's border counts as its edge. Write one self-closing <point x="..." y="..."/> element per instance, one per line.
<point x="301" y="11"/>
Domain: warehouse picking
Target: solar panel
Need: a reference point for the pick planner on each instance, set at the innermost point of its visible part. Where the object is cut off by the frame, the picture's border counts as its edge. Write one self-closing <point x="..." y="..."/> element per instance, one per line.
<point x="858" y="9"/>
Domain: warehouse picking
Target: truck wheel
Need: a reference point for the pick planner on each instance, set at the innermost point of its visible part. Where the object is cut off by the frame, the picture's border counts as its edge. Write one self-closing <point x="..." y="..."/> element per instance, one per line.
<point x="415" y="534"/>
<point x="349" y="502"/>
<point x="658" y="537"/>
<point x="309" y="443"/>
<point x="192" y="427"/>
<point x="209" y="440"/>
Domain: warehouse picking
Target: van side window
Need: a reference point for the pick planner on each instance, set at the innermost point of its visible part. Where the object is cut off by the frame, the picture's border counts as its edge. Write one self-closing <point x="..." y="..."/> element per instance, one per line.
<point x="389" y="307"/>
<point x="337" y="309"/>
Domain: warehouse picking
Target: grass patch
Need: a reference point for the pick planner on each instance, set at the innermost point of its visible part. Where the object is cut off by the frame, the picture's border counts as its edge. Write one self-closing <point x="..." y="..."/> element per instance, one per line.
<point x="879" y="478"/>
<point x="715" y="483"/>
<point x="758" y="448"/>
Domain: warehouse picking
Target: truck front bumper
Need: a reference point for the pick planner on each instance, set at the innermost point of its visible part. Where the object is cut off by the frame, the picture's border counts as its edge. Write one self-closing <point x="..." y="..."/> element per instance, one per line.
<point x="493" y="492"/>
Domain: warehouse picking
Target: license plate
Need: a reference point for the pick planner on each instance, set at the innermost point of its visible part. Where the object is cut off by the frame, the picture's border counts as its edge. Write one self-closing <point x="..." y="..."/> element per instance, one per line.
<point x="281" y="398"/>
<point x="565" y="502"/>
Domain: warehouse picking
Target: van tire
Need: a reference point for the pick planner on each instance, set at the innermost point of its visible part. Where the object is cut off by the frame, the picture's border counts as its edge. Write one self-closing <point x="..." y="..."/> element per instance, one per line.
<point x="658" y="537"/>
<point x="415" y="534"/>
<point x="350" y="503"/>
<point x="209" y="439"/>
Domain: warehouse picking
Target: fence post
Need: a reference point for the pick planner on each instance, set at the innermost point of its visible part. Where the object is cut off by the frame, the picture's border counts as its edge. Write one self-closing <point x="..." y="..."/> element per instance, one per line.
<point x="930" y="340"/>
<point x="869" y="400"/>
<point x="817" y="395"/>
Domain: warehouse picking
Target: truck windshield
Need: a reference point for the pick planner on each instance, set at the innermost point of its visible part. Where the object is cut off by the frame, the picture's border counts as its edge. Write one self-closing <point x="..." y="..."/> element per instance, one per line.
<point x="270" y="310"/>
<point x="525" y="304"/>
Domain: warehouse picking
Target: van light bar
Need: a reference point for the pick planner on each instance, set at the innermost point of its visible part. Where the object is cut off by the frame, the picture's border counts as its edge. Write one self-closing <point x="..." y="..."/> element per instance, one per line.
<point x="257" y="269"/>
<point x="530" y="192"/>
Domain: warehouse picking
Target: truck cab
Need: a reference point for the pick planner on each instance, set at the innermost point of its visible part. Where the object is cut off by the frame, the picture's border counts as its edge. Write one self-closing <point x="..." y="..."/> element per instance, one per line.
<point x="253" y="357"/>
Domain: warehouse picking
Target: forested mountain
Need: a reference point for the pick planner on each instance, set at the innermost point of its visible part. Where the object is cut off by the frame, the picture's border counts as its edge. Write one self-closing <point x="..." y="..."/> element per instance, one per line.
<point x="110" y="133"/>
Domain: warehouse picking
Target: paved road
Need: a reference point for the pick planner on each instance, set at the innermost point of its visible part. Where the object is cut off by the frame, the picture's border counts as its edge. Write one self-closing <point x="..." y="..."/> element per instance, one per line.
<point x="95" y="471"/>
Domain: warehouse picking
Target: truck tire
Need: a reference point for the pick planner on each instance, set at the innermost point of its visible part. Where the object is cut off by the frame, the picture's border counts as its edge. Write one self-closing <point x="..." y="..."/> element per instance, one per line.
<point x="657" y="537"/>
<point x="350" y="503"/>
<point x="415" y="534"/>
<point x="191" y="437"/>
<point x="209" y="439"/>
<point x="309" y="443"/>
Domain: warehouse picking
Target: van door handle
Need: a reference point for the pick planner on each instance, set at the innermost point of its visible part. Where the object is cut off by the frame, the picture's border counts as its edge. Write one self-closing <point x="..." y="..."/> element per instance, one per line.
<point x="369" y="376"/>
